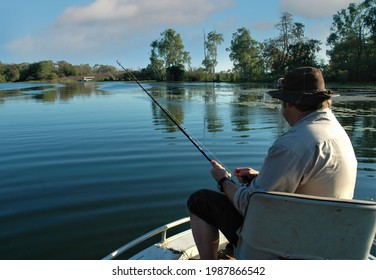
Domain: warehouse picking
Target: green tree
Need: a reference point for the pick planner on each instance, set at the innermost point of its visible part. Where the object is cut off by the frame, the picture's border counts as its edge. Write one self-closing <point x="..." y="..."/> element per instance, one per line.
<point x="275" y="51"/>
<point x="210" y="50"/>
<point x="280" y="45"/>
<point x="370" y="23"/>
<point x="196" y="75"/>
<point x="104" y="69"/>
<point x="175" y="73"/>
<point x="83" y="69"/>
<point x="2" y="78"/>
<point x="39" y="71"/>
<point x="301" y="51"/>
<point x="245" y="54"/>
<point x="351" y="41"/>
<point x="156" y="63"/>
<point x="169" y="49"/>
<point x="9" y="72"/>
<point x="290" y="49"/>
<point x="65" y="69"/>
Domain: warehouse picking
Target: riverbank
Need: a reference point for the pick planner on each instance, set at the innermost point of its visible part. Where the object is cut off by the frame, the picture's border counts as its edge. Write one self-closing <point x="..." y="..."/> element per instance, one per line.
<point x="353" y="87"/>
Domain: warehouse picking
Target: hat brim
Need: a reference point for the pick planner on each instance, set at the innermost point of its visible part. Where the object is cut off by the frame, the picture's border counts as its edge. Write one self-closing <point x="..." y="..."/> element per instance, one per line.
<point x="275" y="93"/>
<point x="301" y="97"/>
<point x="280" y="95"/>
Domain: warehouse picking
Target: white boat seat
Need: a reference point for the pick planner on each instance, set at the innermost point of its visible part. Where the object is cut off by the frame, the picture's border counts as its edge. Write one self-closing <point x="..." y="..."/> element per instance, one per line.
<point x="292" y="226"/>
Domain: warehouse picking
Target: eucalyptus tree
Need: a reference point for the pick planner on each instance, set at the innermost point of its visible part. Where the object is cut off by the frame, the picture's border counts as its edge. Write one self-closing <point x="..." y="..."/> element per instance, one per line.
<point x="210" y="49"/>
<point x="168" y="54"/>
<point x="301" y="51"/>
<point x="290" y="48"/>
<point x="286" y="35"/>
<point x="275" y="50"/>
<point x="156" y="63"/>
<point x="352" y="42"/>
<point x="245" y="54"/>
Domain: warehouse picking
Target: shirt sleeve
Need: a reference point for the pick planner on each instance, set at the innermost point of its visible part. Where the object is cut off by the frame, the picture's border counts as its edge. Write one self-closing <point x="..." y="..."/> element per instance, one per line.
<point x="281" y="171"/>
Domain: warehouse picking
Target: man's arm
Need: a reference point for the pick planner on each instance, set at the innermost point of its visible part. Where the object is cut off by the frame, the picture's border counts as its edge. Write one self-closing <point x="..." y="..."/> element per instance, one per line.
<point x="228" y="186"/>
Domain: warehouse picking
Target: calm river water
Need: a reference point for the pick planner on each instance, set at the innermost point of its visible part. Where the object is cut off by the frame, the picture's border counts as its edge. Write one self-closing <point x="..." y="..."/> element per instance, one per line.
<point x="87" y="167"/>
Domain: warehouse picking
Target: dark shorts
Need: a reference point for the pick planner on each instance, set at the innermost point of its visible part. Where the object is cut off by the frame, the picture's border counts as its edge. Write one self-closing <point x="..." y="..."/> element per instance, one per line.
<point x="216" y="209"/>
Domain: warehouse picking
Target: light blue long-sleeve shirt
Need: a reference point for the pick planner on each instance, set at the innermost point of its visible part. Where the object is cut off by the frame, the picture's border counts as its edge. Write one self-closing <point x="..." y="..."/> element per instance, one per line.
<point x="314" y="157"/>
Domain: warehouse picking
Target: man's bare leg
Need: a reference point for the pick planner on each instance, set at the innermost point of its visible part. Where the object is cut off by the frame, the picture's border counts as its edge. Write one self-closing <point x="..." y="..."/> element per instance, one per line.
<point x="206" y="238"/>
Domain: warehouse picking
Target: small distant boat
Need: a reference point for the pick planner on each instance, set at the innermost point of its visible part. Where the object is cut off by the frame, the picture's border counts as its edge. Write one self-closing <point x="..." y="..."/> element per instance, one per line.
<point x="87" y="79"/>
<point x="278" y="226"/>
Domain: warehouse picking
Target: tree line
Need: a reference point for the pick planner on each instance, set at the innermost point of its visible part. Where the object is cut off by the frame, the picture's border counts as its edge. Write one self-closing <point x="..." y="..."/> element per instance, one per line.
<point x="48" y="71"/>
<point x="352" y="54"/>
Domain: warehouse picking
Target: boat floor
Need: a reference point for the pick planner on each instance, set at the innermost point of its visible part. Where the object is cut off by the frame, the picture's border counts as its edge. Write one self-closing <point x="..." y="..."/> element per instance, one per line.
<point x="178" y="247"/>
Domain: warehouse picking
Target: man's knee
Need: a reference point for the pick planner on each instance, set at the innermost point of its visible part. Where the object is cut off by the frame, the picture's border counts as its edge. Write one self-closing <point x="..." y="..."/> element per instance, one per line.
<point x="196" y="199"/>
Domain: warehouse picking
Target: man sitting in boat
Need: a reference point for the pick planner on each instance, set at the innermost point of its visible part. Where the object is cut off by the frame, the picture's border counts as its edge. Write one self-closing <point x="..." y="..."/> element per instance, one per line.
<point x="314" y="157"/>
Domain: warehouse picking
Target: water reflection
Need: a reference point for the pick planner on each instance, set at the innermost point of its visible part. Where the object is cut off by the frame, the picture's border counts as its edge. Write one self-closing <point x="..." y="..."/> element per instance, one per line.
<point x="49" y="92"/>
<point x="240" y="97"/>
<point x="172" y="96"/>
<point x="212" y="118"/>
<point x="244" y="106"/>
<point x="162" y="121"/>
<point x="251" y="109"/>
<point x="243" y="109"/>
<point x="357" y="114"/>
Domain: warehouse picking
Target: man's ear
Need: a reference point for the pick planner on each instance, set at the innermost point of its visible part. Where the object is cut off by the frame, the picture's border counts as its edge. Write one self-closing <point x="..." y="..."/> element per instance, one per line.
<point x="287" y="104"/>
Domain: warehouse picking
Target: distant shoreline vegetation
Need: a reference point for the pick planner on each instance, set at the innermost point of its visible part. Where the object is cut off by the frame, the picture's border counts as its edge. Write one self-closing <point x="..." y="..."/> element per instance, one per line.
<point x="351" y="51"/>
<point x="48" y="71"/>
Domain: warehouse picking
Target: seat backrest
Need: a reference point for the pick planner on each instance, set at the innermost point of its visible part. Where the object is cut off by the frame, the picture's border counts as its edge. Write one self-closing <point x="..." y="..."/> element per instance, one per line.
<point x="293" y="226"/>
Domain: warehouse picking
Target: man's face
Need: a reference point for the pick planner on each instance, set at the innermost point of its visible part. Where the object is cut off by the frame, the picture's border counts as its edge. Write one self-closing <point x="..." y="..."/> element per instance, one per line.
<point x="286" y="111"/>
<point x="283" y="108"/>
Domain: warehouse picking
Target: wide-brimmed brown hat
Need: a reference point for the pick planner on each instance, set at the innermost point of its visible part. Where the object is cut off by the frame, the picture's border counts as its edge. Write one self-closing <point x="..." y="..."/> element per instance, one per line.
<point x="303" y="85"/>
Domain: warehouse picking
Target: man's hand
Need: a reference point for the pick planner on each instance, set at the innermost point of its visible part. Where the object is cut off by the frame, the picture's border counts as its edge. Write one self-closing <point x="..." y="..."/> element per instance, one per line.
<point x="245" y="175"/>
<point x="218" y="171"/>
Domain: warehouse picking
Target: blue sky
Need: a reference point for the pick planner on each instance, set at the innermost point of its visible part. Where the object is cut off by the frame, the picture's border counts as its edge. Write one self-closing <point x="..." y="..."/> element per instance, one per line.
<point x="103" y="31"/>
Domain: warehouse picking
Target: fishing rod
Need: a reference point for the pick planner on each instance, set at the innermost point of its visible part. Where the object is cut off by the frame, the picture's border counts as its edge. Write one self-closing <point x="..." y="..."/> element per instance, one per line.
<point x="172" y="118"/>
<point x="167" y="113"/>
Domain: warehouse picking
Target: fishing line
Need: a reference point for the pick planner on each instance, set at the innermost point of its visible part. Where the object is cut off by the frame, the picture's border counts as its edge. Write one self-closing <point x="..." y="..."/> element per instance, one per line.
<point x="171" y="117"/>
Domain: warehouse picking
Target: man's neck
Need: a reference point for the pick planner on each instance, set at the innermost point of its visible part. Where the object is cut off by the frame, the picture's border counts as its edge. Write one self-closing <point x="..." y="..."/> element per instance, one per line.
<point x="293" y="114"/>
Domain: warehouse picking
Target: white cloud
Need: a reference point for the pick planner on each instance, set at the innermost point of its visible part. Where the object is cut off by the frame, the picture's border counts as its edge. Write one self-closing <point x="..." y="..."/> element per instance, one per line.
<point x="147" y="12"/>
<point x="100" y="10"/>
<point x="315" y="9"/>
<point x="106" y="25"/>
